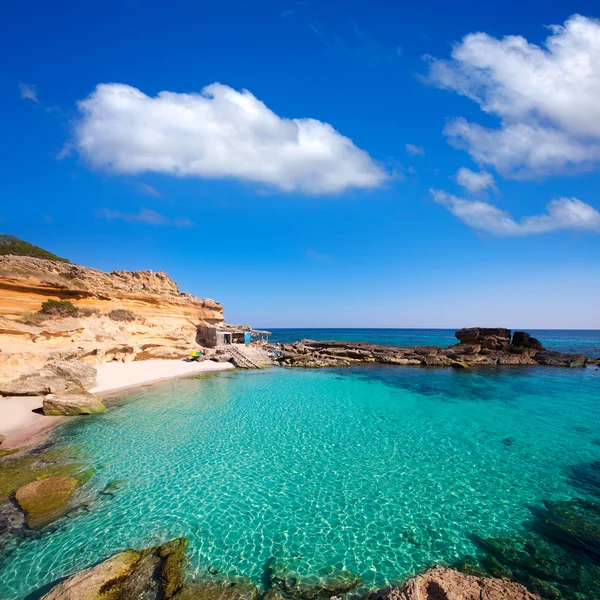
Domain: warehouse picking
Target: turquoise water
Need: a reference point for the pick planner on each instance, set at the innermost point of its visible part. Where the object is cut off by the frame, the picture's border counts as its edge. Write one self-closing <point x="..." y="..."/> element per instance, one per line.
<point x="382" y="471"/>
<point x="561" y="340"/>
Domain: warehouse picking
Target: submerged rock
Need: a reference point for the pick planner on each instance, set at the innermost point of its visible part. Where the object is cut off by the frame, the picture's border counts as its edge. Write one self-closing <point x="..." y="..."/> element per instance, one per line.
<point x="153" y="574"/>
<point x="326" y="582"/>
<point x="447" y="584"/>
<point x="83" y="403"/>
<point x="46" y="500"/>
<point x="220" y="588"/>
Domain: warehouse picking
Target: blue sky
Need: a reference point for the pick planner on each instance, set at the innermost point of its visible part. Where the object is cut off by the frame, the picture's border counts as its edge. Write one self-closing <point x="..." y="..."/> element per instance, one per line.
<point x="382" y="169"/>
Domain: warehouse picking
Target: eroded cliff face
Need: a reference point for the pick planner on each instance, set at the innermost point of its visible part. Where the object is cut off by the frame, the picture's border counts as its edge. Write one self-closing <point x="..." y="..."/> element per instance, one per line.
<point x="164" y="324"/>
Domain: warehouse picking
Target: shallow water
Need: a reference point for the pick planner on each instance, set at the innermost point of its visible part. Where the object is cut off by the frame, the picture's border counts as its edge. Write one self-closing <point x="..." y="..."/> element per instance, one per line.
<point x="379" y="470"/>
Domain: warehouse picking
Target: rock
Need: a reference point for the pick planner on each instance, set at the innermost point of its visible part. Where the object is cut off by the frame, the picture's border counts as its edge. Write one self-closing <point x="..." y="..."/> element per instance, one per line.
<point x="558" y="359"/>
<point x="523" y="339"/>
<point x="326" y="582"/>
<point x="46" y="500"/>
<point x="152" y="574"/>
<point x="217" y="588"/>
<point x="83" y="403"/>
<point x="273" y="595"/>
<point x="153" y="351"/>
<point x="472" y="335"/>
<point x="2" y="438"/>
<point x="120" y="354"/>
<point x="221" y="358"/>
<point x="57" y="377"/>
<point x="447" y="584"/>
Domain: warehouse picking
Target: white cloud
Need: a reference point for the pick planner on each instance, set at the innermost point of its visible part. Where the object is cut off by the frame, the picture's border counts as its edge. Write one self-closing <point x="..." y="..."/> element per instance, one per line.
<point x="564" y="213"/>
<point x="149" y="190"/>
<point x="546" y="98"/>
<point x="28" y="92"/>
<point x="145" y="215"/>
<point x="415" y="150"/>
<point x="218" y="133"/>
<point x="474" y="182"/>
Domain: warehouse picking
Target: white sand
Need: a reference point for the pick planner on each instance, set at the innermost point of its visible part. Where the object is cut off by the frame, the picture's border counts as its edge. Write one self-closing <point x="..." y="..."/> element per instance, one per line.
<point x="116" y="376"/>
<point x="18" y="422"/>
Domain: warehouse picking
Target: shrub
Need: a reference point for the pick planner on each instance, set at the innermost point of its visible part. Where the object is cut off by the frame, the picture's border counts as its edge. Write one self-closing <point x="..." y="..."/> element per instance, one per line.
<point x="121" y="314"/>
<point x="59" y="308"/>
<point x="87" y="312"/>
<point x="35" y="319"/>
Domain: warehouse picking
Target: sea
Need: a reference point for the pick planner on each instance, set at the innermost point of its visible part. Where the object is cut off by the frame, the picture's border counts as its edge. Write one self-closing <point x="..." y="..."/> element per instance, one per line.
<point x="381" y="471"/>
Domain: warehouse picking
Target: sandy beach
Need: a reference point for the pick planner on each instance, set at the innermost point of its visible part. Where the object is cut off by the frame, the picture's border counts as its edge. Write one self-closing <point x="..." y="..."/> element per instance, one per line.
<point x="19" y="422"/>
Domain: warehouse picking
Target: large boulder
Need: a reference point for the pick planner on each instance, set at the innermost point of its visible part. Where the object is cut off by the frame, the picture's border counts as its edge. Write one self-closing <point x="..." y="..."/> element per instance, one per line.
<point x="56" y="377"/>
<point x="83" y="403"/>
<point x="46" y="500"/>
<point x="558" y="359"/>
<point x="446" y="584"/>
<point x="523" y="340"/>
<point x="153" y="574"/>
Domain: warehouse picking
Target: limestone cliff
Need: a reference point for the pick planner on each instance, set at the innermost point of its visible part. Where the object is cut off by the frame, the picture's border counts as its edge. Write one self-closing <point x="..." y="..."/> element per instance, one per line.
<point x="161" y="320"/>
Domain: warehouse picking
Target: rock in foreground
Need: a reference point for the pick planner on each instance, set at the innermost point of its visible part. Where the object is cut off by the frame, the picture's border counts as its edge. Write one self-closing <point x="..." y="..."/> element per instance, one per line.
<point x="83" y="403"/>
<point x="152" y="574"/>
<point x="446" y="584"/>
<point x="46" y="500"/>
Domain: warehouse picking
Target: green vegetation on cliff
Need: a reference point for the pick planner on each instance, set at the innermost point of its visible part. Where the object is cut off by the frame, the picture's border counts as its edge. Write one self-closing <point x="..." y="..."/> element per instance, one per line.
<point x="9" y="244"/>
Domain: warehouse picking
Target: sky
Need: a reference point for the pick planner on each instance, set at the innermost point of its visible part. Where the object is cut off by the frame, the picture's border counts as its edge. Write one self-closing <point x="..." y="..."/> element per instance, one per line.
<point x="315" y="164"/>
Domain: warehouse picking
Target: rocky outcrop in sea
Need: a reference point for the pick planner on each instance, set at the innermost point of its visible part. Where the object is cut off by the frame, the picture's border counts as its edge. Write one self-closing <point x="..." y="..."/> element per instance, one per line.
<point x="477" y="346"/>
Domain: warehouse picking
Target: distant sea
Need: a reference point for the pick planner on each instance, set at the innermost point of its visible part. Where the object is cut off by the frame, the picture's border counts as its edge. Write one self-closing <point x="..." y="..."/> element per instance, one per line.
<point x="561" y="340"/>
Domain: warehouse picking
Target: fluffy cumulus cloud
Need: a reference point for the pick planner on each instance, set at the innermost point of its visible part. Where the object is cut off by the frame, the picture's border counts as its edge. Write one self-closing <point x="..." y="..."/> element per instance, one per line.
<point x="475" y="182"/>
<point x="218" y="133"/>
<point x="564" y="213"/>
<point x="146" y="216"/>
<point x="546" y="98"/>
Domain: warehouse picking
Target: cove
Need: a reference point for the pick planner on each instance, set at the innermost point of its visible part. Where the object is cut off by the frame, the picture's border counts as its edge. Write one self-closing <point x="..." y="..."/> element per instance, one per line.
<point x="380" y="471"/>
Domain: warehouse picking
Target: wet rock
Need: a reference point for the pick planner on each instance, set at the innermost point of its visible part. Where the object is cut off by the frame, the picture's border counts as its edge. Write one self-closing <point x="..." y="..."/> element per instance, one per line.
<point x="447" y="584"/>
<point x="220" y="588"/>
<point x="112" y="488"/>
<point x="324" y="583"/>
<point x="153" y="574"/>
<point x="57" y="377"/>
<point x="558" y="359"/>
<point x="273" y="595"/>
<point x="46" y="500"/>
<point x="83" y="403"/>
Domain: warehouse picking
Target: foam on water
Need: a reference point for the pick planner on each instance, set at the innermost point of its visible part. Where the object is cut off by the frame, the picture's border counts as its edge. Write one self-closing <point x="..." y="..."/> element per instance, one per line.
<point x="382" y="471"/>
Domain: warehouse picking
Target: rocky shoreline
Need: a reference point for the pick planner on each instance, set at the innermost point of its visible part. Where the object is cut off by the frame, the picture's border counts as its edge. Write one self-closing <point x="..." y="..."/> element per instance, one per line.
<point x="158" y="573"/>
<point x="476" y="346"/>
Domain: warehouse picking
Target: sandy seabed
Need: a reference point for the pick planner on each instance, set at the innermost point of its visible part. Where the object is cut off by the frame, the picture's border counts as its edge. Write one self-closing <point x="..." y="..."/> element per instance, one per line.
<point x="21" y="418"/>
